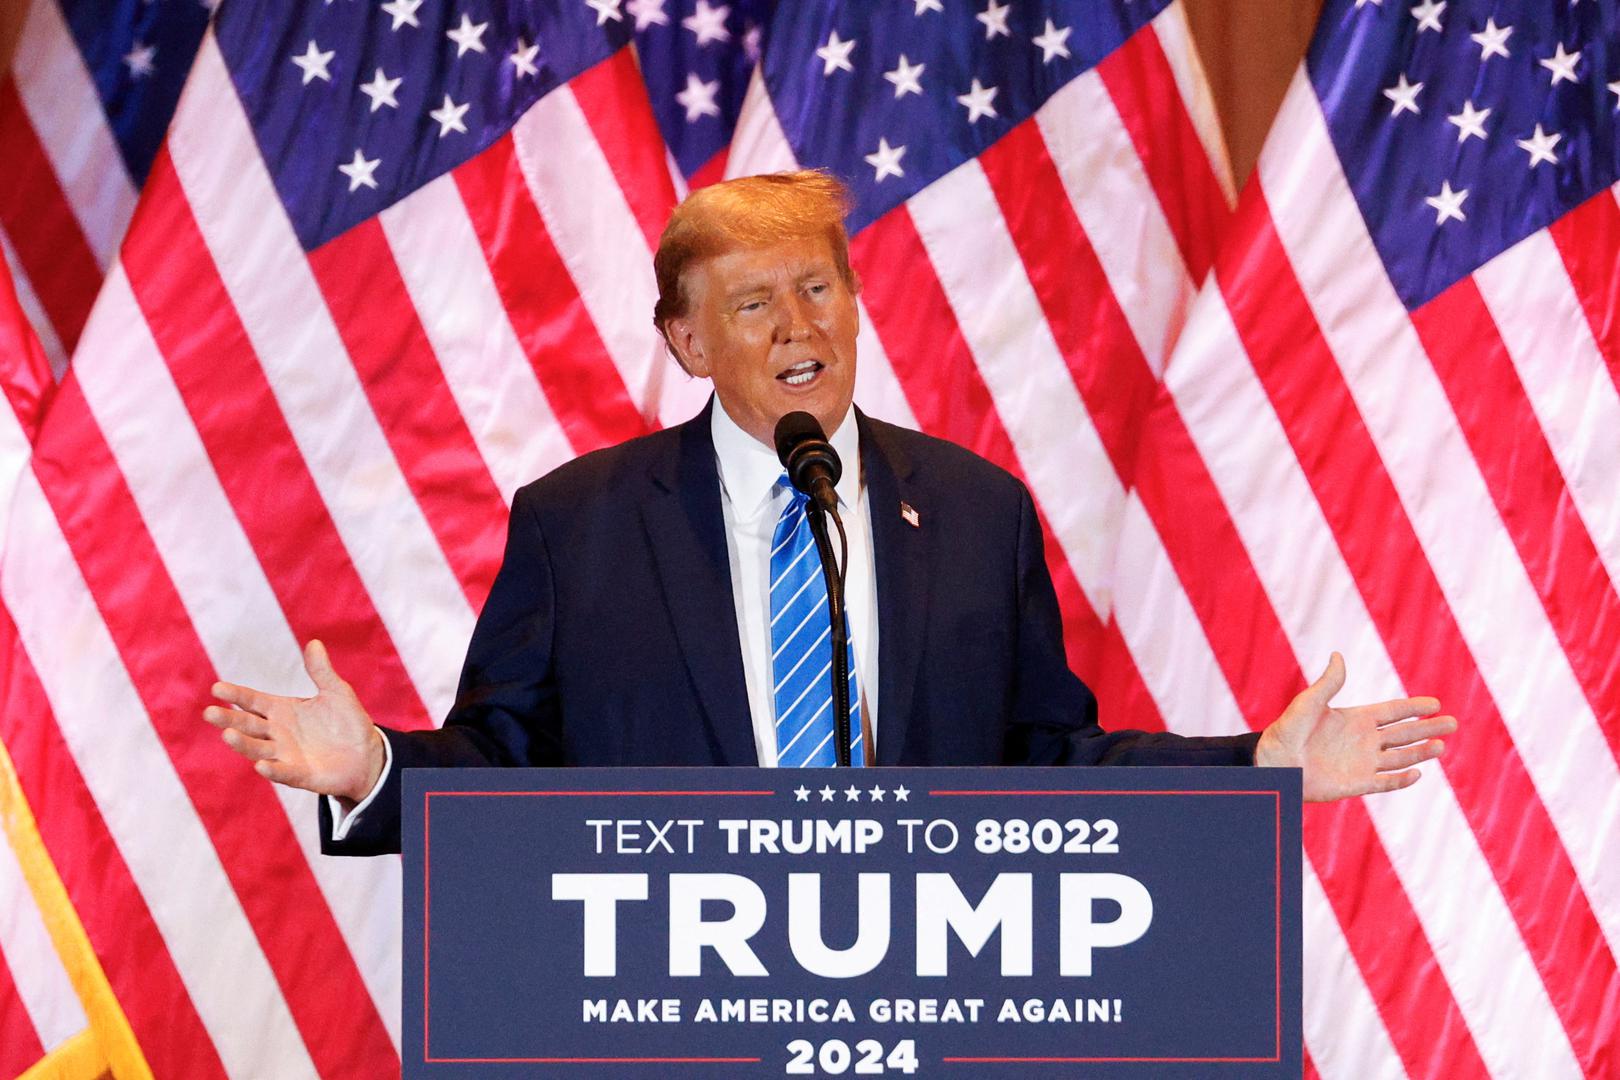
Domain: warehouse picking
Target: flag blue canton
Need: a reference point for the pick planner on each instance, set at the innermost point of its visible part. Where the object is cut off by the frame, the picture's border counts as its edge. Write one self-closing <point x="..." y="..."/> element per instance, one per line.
<point x="696" y="57"/>
<point x="891" y="96"/>
<point x="356" y="105"/>
<point x="138" y="53"/>
<point x="1464" y="128"/>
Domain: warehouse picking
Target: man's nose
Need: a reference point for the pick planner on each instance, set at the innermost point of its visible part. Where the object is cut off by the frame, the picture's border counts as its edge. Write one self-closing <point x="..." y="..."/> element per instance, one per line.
<point x="795" y="324"/>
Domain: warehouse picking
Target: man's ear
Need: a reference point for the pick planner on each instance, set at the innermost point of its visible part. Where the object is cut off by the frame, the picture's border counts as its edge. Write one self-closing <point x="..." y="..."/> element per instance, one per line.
<point x="683" y="342"/>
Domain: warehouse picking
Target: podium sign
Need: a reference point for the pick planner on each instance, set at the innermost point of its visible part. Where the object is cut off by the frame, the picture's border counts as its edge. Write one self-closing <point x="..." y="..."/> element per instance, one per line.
<point x="967" y="923"/>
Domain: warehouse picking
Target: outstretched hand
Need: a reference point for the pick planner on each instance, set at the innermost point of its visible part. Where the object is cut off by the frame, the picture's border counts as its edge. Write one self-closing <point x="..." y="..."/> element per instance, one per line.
<point x="1361" y="750"/>
<point x="326" y="743"/>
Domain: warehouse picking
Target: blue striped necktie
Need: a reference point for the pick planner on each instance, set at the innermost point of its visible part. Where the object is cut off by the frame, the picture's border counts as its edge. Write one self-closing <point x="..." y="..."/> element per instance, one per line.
<point x="801" y="647"/>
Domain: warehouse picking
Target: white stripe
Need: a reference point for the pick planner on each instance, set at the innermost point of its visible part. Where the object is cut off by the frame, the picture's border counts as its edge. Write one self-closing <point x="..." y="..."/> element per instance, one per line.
<point x="1430" y="843"/>
<point x="1410" y="420"/>
<point x="1346" y="1036"/>
<point x="1192" y="84"/>
<point x="60" y="99"/>
<point x="760" y="146"/>
<point x="227" y="597"/>
<point x="42" y="982"/>
<point x="786" y="570"/>
<point x="1120" y="213"/>
<point x="777" y="689"/>
<point x="495" y="387"/>
<point x="1002" y="323"/>
<point x="1529" y="294"/>
<point x="34" y="311"/>
<point x="601" y="243"/>
<point x="789" y="639"/>
<point x="1343" y="1030"/>
<point x="804" y="727"/>
<point x="142" y="801"/>
<point x="320" y="396"/>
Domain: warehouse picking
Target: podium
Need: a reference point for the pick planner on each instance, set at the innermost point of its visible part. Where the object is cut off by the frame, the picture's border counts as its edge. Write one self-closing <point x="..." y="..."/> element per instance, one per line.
<point x="943" y="922"/>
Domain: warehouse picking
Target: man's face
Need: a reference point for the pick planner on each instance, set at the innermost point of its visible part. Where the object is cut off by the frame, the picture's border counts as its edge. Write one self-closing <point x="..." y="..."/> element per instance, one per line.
<point x="774" y="327"/>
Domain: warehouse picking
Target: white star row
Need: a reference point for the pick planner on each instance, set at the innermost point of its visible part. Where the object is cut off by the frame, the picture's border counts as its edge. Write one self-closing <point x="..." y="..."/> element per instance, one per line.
<point x="362" y="170"/>
<point x="834" y="55"/>
<point x="1403" y="95"/>
<point x="315" y="64"/>
<point x="851" y="794"/>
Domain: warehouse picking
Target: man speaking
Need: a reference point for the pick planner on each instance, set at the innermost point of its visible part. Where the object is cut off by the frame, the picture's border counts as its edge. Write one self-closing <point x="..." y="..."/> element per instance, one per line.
<point x="661" y="603"/>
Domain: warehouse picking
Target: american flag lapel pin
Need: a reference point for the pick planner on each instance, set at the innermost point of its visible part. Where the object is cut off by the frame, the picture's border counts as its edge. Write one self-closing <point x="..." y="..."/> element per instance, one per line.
<point x="909" y="512"/>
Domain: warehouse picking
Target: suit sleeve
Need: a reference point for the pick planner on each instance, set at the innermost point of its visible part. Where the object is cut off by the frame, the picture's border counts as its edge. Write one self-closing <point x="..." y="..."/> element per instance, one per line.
<point x="506" y="710"/>
<point x="1054" y="718"/>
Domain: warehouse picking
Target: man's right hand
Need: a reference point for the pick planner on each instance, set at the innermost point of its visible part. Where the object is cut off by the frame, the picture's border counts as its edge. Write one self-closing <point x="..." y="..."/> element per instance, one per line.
<point x="326" y="743"/>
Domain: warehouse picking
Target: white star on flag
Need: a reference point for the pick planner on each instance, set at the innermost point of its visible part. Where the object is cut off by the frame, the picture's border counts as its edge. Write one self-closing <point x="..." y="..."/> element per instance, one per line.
<point x="1470" y="121"/>
<point x="1363" y="3"/>
<point x="359" y="171"/>
<point x="313" y="63"/>
<point x="1540" y="146"/>
<point x="708" y="23"/>
<point x="648" y="13"/>
<point x="698" y="98"/>
<point x="835" y="54"/>
<point x="1447" y="204"/>
<point x="1404" y="95"/>
<point x="1614" y="88"/>
<point x="448" y="116"/>
<point x="605" y="10"/>
<point x="381" y="90"/>
<point x="523" y="57"/>
<point x="469" y="36"/>
<point x="994" y="18"/>
<point x="978" y="101"/>
<point x="1054" y="42"/>
<point x="139" y="60"/>
<point x="886" y="160"/>
<point x="1428" y="14"/>
<point x="906" y="77"/>
<point x="927" y="5"/>
<point x="1492" y="40"/>
<point x="1562" y="64"/>
<point x="403" y="12"/>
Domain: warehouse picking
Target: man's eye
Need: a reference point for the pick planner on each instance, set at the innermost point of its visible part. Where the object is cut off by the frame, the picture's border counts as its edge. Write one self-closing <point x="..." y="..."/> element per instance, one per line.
<point x="818" y="288"/>
<point x="752" y="305"/>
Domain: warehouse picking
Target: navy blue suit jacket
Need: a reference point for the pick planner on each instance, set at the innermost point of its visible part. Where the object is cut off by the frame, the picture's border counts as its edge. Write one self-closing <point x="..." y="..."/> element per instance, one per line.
<point x="610" y="635"/>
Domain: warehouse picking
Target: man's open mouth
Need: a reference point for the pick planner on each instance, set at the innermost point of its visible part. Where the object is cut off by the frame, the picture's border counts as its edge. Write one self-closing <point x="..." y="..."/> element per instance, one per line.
<point x="801" y="373"/>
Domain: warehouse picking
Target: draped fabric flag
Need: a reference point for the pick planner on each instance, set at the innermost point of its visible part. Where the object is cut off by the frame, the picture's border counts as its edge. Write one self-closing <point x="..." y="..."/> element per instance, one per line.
<point x="392" y="261"/>
<point x="1393" y="428"/>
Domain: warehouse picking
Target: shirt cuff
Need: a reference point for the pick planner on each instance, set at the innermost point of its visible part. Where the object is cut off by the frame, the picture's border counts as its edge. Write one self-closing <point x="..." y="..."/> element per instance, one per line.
<point x="341" y="822"/>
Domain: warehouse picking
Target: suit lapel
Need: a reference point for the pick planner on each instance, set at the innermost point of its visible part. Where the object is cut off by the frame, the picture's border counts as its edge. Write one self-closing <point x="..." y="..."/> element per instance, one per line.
<point x="684" y="521"/>
<point x="899" y="557"/>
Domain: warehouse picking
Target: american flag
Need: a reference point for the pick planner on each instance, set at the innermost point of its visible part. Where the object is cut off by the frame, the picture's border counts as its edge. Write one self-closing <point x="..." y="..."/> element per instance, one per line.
<point x="392" y="260"/>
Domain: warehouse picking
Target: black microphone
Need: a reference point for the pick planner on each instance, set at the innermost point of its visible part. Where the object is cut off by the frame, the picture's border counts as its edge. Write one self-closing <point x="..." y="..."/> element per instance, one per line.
<point x="811" y="462"/>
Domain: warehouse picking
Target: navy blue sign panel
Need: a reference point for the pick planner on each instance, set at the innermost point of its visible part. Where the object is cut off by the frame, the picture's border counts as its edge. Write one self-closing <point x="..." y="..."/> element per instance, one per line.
<point x="620" y="924"/>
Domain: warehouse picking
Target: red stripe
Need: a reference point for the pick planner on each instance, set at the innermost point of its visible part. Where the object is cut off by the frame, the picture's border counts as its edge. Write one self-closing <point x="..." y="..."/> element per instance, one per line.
<point x="1494" y="412"/>
<point x="1143" y="86"/>
<point x="585" y="390"/>
<point x="914" y="320"/>
<point x="1587" y="238"/>
<point x="39" y="222"/>
<point x="614" y="99"/>
<point x="1310" y="1071"/>
<point x="1381" y="549"/>
<point x="441" y="463"/>
<point x="171" y="671"/>
<point x="20" y="1046"/>
<point x="25" y="373"/>
<point x="97" y="879"/>
<point x="218" y="375"/>
<point x="710" y="172"/>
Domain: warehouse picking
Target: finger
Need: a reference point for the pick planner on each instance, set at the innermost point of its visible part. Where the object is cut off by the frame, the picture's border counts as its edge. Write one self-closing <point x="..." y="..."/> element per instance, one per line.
<point x="319" y="666"/>
<point x="1398" y="709"/>
<point x="250" y="748"/>
<point x="248" y="723"/>
<point x="1393" y="781"/>
<point x="1331" y="682"/>
<point x="1407" y="756"/>
<point x="243" y="697"/>
<point x="1415" y="731"/>
<point x="281" y="773"/>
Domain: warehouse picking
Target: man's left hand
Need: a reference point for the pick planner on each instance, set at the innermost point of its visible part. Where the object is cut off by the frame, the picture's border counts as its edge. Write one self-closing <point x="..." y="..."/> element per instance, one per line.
<point x="1356" y="751"/>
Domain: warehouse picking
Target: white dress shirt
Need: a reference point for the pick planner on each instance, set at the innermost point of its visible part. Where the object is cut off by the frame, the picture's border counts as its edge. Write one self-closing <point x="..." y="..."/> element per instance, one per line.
<point x="752" y="501"/>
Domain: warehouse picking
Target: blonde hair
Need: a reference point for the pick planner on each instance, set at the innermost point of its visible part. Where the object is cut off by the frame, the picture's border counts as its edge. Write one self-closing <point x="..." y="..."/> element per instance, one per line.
<point x="751" y="211"/>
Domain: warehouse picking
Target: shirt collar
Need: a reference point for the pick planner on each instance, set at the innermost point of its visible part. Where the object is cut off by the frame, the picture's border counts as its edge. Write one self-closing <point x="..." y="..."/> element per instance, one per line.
<point x="749" y="469"/>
